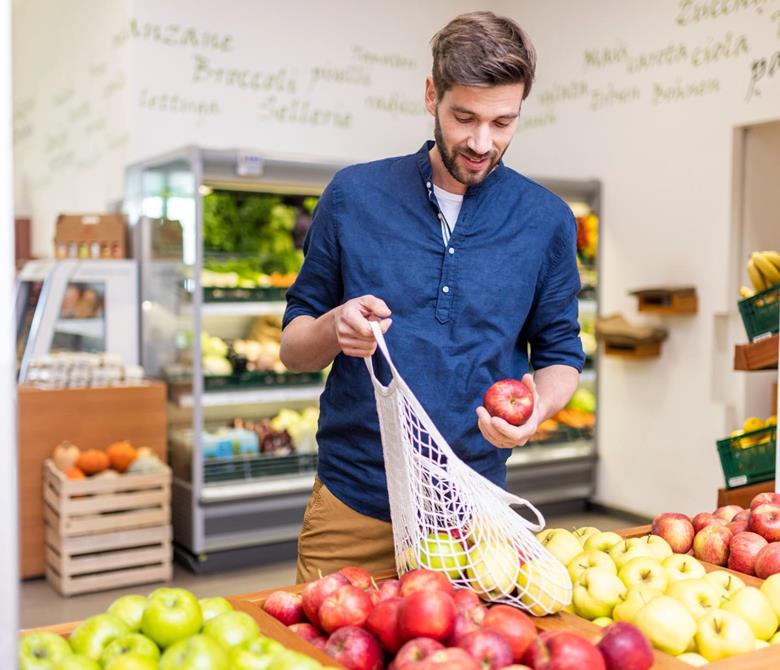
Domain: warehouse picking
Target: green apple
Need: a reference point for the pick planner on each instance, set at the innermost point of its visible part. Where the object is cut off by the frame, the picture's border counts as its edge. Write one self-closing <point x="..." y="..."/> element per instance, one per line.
<point x="590" y="558"/>
<point x="596" y="592"/>
<point x="634" y="600"/>
<point x="754" y="608"/>
<point x="682" y="566"/>
<point x="93" y="635"/>
<point x="130" y="609"/>
<point x="658" y="546"/>
<point x="626" y="551"/>
<point x="441" y="551"/>
<point x="254" y="654"/>
<point x="603" y="621"/>
<point x="666" y="624"/>
<point x="198" y="652"/>
<point x="493" y="569"/>
<point x="211" y="607"/>
<point x="697" y="595"/>
<point x="644" y="570"/>
<point x="602" y="541"/>
<point x="133" y="662"/>
<point x="171" y="615"/>
<point x="563" y="545"/>
<point x="775" y="639"/>
<point x="542" y="590"/>
<point x="584" y="532"/>
<point x="727" y="582"/>
<point x="40" y="651"/>
<point x="292" y="660"/>
<point x="77" y="662"/>
<point x="771" y="589"/>
<point x="720" y="634"/>
<point x="692" y="659"/>
<point x="135" y="644"/>
<point x="232" y="629"/>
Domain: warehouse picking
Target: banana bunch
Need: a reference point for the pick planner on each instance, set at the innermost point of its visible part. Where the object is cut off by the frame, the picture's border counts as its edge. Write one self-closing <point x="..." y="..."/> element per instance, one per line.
<point x="763" y="269"/>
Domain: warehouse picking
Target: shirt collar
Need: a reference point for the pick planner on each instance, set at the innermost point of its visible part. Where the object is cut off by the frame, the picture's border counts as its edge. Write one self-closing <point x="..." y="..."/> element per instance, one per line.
<point x="426" y="171"/>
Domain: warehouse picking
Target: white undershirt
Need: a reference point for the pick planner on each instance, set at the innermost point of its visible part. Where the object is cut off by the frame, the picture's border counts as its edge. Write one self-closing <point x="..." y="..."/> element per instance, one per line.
<point x="450" y="204"/>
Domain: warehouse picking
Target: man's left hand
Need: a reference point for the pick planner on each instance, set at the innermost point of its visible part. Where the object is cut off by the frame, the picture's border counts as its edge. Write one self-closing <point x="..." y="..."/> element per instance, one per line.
<point x="504" y="435"/>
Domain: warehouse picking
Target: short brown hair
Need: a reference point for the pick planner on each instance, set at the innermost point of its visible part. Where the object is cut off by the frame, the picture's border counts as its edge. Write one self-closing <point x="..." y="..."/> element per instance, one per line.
<point x="482" y="49"/>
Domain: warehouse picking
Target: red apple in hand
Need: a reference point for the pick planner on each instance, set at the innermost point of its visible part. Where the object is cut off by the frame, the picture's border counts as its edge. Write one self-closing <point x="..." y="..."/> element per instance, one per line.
<point x="357" y="576"/>
<point x="383" y="623"/>
<point x="425" y="580"/>
<point x="427" y="614"/>
<point x="765" y="520"/>
<point x="390" y="588"/>
<point x="676" y="529"/>
<point x="285" y="607"/>
<point x="489" y="648"/>
<point x="510" y="400"/>
<point x="516" y="626"/>
<point x="711" y="544"/>
<point x="355" y="649"/>
<point x="349" y="606"/>
<point x="306" y="631"/>
<point x="743" y="551"/>
<point x="559" y="650"/>
<point x="768" y="560"/>
<point x="315" y="593"/>
<point x="705" y="519"/>
<point x="763" y="498"/>
<point x="728" y="512"/>
<point x="625" y="648"/>
<point x="416" y="650"/>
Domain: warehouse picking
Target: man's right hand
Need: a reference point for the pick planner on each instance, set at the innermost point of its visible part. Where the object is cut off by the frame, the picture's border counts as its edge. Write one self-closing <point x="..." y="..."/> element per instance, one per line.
<point x="353" y="333"/>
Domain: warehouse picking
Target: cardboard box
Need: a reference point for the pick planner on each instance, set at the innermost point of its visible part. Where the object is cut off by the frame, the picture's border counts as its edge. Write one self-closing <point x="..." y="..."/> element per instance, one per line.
<point x="90" y="236"/>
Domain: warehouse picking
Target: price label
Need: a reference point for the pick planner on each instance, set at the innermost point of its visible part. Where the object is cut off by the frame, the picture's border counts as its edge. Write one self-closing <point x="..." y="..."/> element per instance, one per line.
<point x="249" y="164"/>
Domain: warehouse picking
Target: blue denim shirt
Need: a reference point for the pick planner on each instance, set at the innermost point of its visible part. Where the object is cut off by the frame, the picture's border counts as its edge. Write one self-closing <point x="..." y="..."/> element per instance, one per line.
<point x="463" y="315"/>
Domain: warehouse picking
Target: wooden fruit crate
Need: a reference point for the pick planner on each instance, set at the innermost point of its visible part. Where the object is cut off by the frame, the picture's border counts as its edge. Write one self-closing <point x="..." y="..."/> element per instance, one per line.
<point x="102" y="533"/>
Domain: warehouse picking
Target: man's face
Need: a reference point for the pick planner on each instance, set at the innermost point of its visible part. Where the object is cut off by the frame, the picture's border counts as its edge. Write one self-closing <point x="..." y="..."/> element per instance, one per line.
<point x="474" y="126"/>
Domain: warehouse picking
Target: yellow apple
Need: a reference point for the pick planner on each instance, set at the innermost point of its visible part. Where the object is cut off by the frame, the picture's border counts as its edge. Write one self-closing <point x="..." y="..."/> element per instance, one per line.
<point x="658" y="546"/>
<point x="644" y="570"/>
<point x="761" y="644"/>
<point x="666" y="624"/>
<point x="563" y="545"/>
<point x="602" y="541"/>
<point x="441" y="551"/>
<point x="753" y="607"/>
<point x="584" y="532"/>
<point x="493" y="569"/>
<point x="721" y="634"/>
<point x="697" y="595"/>
<point x="727" y="582"/>
<point x="543" y="590"/>
<point x="603" y="621"/>
<point x="775" y="639"/>
<point x="681" y="566"/>
<point x="596" y="592"/>
<point x="692" y="659"/>
<point x="625" y="551"/>
<point x="590" y="558"/>
<point x="771" y="589"/>
<point x="633" y="601"/>
<point x="542" y="534"/>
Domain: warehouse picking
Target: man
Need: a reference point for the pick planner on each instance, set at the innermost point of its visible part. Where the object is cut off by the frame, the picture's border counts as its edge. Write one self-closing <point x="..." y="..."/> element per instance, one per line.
<point x="469" y="261"/>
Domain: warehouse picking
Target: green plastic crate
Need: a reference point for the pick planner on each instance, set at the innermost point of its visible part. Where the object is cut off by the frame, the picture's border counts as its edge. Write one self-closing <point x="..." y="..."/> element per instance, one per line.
<point x="761" y="313"/>
<point x="748" y="458"/>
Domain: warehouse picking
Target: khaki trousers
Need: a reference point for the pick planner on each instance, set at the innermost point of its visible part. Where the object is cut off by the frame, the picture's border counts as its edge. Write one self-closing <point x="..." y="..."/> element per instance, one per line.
<point x="334" y="536"/>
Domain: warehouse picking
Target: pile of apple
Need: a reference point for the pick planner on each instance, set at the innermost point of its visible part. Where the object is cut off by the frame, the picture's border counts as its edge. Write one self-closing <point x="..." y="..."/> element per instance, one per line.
<point x="681" y="608"/>
<point x="170" y="629"/>
<point x="745" y="540"/>
<point x="422" y="622"/>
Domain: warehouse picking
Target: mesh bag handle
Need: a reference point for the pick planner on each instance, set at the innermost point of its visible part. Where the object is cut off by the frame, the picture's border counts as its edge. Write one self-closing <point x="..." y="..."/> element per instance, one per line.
<point x="449" y="518"/>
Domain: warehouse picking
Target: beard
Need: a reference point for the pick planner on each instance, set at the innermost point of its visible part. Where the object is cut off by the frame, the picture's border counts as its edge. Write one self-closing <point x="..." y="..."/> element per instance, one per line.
<point x="459" y="172"/>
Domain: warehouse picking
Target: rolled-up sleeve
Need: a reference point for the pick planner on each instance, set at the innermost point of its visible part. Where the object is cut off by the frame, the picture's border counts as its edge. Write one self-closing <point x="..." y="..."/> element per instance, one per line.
<point x="319" y="286"/>
<point x="553" y="328"/>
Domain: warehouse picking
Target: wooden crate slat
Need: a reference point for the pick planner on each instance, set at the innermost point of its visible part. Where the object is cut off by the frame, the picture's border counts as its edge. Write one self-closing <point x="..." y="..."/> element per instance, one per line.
<point x="104" y="561"/>
<point x="117" y="502"/>
<point x="52" y="499"/>
<point x="106" y="522"/>
<point x="113" y="580"/>
<point x="92" y="485"/>
<point x="122" y="538"/>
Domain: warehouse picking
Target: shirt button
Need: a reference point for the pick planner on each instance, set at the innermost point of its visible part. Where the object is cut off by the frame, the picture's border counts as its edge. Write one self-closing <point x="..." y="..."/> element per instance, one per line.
<point x="441" y="216"/>
<point x="451" y="250"/>
<point x="428" y="184"/>
<point x="445" y="289"/>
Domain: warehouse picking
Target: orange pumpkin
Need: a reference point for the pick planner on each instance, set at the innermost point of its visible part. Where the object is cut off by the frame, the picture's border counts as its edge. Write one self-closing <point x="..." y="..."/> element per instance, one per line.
<point x="74" y="473"/>
<point x="121" y="455"/>
<point x="92" y="461"/>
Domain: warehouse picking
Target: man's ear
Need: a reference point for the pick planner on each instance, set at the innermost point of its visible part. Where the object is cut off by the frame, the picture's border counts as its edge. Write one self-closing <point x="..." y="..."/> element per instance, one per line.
<point x="430" y="96"/>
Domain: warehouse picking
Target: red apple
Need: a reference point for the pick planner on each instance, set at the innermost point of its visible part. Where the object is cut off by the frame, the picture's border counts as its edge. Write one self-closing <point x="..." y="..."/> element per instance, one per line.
<point x="743" y="550"/>
<point x="744" y="515"/>
<point x="425" y="580"/>
<point x="319" y="642"/>
<point x="765" y="520"/>
<point x="467" y="622"/>
<point x="355" y="649"/>
<point x="706" y="519"/>
<point x="306" y="631"/>
<point x="285" y="607"/>
<point x="510" y="400"/>
<point x="625" y="648"/>
<point x="349" y="606"/>
<point x="516" y="626"/>
<point x="711" y="544"/>
<point x="738" y="526"/>
<point x="676" y="529"/>
<point x="560" y="650"/>
<point x="488" y="647"/>
<point x="465" y="599"/>
<point x="728" y="512"/>
<point x="763" y="498"/>
<point x="415" y="650"/>
<point x="447" y="659"/>
<point x="390" y="588"/>
<point x="427" y="614"/>
<point x="768" y="560"/>
<point x="357" y="576"/>
<point x="315" y="593"/>
<point x="383" y="624"/>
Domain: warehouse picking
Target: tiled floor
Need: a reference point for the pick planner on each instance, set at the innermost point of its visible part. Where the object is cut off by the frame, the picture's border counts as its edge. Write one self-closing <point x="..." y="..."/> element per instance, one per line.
<point x="41" y="605"/>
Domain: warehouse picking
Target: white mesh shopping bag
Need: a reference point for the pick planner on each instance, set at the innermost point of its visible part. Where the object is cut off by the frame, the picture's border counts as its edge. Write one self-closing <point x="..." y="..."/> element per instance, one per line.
<point x="449" y="518"/>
